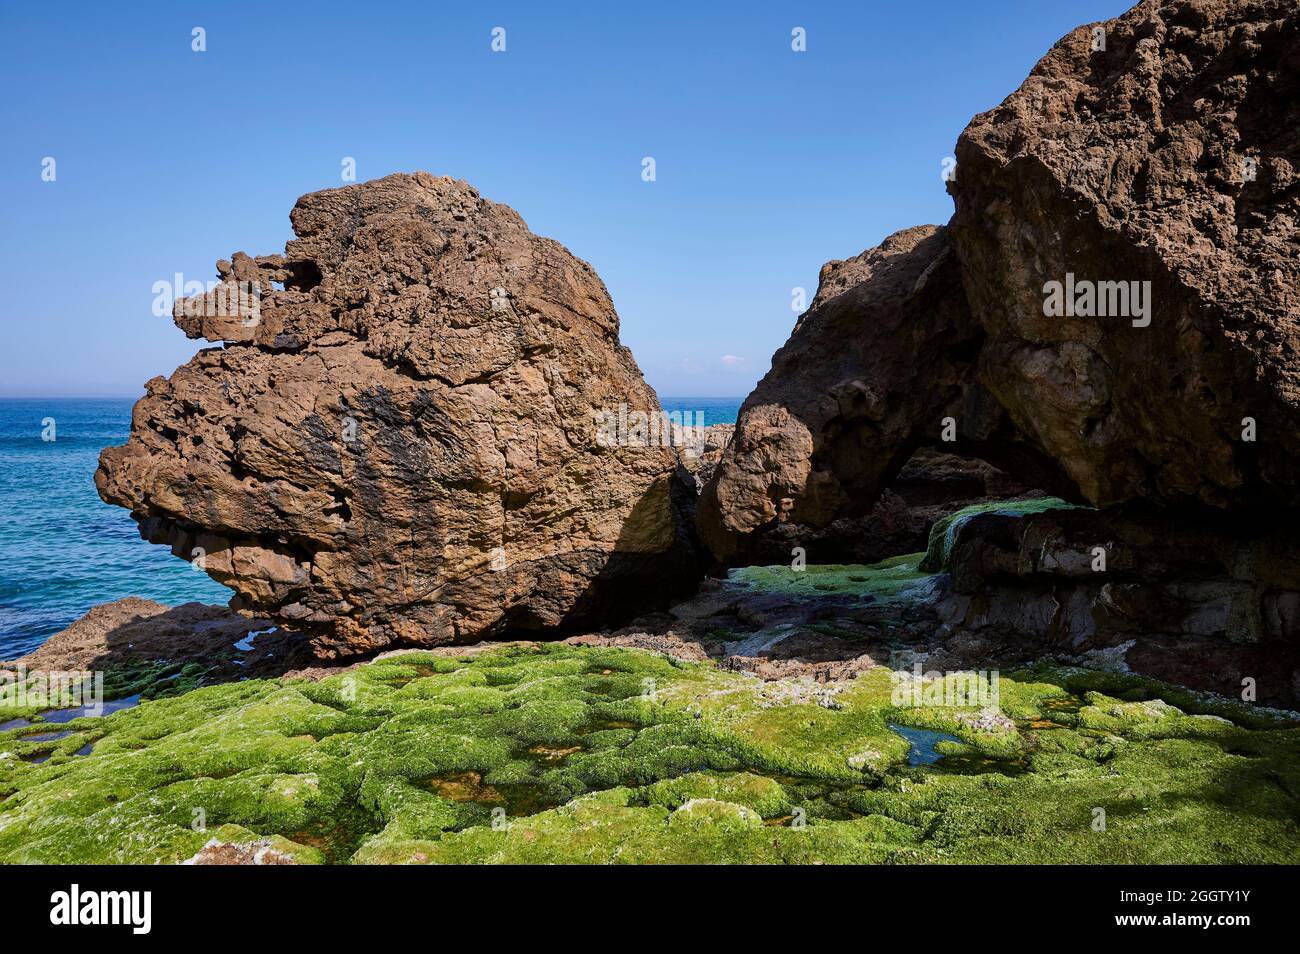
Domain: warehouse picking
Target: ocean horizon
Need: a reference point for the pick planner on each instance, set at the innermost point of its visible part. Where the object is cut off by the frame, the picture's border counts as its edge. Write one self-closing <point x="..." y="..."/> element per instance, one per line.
<point x="63" y="550"/>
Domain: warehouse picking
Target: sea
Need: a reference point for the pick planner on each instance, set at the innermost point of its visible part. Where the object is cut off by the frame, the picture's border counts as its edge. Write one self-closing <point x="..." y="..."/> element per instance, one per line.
<point x="63" y="550"/>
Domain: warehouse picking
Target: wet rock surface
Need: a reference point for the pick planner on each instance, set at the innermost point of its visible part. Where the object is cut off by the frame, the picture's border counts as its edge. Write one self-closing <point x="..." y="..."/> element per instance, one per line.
<point x="1214" y="604"/>
<point x="402" y="445"/>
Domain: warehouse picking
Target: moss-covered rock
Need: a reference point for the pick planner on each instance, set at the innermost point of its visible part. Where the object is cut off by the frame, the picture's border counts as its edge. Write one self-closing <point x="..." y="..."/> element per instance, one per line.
<point x="944" y="532"/>
<point x="562" y="753"/>
<point x="883" y="581"/>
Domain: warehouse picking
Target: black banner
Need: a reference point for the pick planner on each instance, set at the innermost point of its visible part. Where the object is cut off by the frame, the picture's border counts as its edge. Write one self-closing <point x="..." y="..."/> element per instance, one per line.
<point x="139" y="905"/>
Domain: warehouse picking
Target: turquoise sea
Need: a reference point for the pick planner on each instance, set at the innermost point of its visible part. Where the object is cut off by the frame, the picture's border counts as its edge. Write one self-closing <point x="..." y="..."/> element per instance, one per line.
<point x="63" y="550"/>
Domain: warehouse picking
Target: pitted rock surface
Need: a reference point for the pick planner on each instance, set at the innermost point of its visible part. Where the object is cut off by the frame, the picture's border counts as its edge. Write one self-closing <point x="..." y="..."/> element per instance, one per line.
<point x="399" y="443"/>
<point x="1170" y="157"/>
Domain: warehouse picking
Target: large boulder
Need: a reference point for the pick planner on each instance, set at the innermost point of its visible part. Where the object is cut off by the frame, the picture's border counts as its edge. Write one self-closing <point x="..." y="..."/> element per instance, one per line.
<point x="883" y="349"/>
<point x="881" y="366"/>
<point x="1112" y="315"/>
<point x="1161" y="147"/>
<point x="402" y="439"/>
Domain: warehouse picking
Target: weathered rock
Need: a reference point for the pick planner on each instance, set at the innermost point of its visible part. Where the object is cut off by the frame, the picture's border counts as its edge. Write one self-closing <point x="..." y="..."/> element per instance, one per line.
<point x="701" y="456"/>
<point x="260" y="852"/>
<point x="873" y="371"/>
<point x="134" y="630"/>
<point x="884" y="348"/>
<point x="1202" y="599"/>
<point x="127" y="635"/>
<point x="402" y="443"/>
<point x="1168" y="157"/>
<point x="931" y="485"/>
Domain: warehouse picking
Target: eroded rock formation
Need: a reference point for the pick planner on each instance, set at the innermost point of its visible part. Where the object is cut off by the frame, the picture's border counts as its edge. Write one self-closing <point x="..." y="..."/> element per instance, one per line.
<point x="930" y="486"/>
<point x="1168" y="158"/>
<point x="1113" y="316"/>
<point x="885" y="345"/>
<point x="1164" y="165"/>
<point x="401" y="443"/>
<point x="881" y="365"/>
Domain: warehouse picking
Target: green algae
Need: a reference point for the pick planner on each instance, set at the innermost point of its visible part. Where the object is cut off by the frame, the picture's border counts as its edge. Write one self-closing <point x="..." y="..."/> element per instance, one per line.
<point x="1131" y="687"/>
<point x="760" y="794"/>
<point x="148" y="680"/>
<point x="613" y="827"/>
<point x="887" y="580"/>
<point x="591" y="754"/>
<point x="944" y="532"/>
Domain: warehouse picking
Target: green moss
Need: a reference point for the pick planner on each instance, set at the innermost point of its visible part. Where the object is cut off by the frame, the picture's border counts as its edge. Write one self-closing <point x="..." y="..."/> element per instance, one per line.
<point x="1135" y="688"/>
<point x="760" y="794"/>
<point x="944" y="532"/>
<point x="148" y="680"/>
<point x="887" y="580"/>
<point x="588" y="754"/>
<point x="609" y="828"/>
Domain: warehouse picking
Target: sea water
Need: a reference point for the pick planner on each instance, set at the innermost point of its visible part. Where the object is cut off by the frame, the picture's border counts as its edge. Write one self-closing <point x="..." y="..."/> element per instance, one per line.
<point x="63" y="550"/>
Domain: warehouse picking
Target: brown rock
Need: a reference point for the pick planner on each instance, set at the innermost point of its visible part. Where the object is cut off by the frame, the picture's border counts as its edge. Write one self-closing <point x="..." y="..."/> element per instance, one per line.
<point x="884" y="348"/>
<point x="133" y="630"/>
<point x="402" y="443"/>
<point x="930" y="486"/>
<point x="1133" y="164"/>
<point x="1156" y="173"/>
<point x="1200" y="598"/>
<point x="260" y="852"/>
<point x="1128" y="164"/>
<point x="701" y="456"/>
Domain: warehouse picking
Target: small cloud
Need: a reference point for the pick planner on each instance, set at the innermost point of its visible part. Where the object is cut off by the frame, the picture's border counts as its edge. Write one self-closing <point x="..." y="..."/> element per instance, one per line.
<point x="732" y="361"/>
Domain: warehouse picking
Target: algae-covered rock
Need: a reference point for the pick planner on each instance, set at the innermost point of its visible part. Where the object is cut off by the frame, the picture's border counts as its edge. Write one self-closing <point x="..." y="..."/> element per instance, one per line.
<point x="712" y="813"/>
<point x="760" y="794"/>
<point x="585" y="754"/>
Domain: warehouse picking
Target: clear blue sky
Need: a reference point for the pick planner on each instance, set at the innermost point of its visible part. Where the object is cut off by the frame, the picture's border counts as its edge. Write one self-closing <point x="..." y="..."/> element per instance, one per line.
<point x="769" y="162"/>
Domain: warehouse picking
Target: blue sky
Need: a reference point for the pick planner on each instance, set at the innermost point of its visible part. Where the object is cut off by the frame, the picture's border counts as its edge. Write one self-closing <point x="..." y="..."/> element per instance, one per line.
<point x="769" y="162"/>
